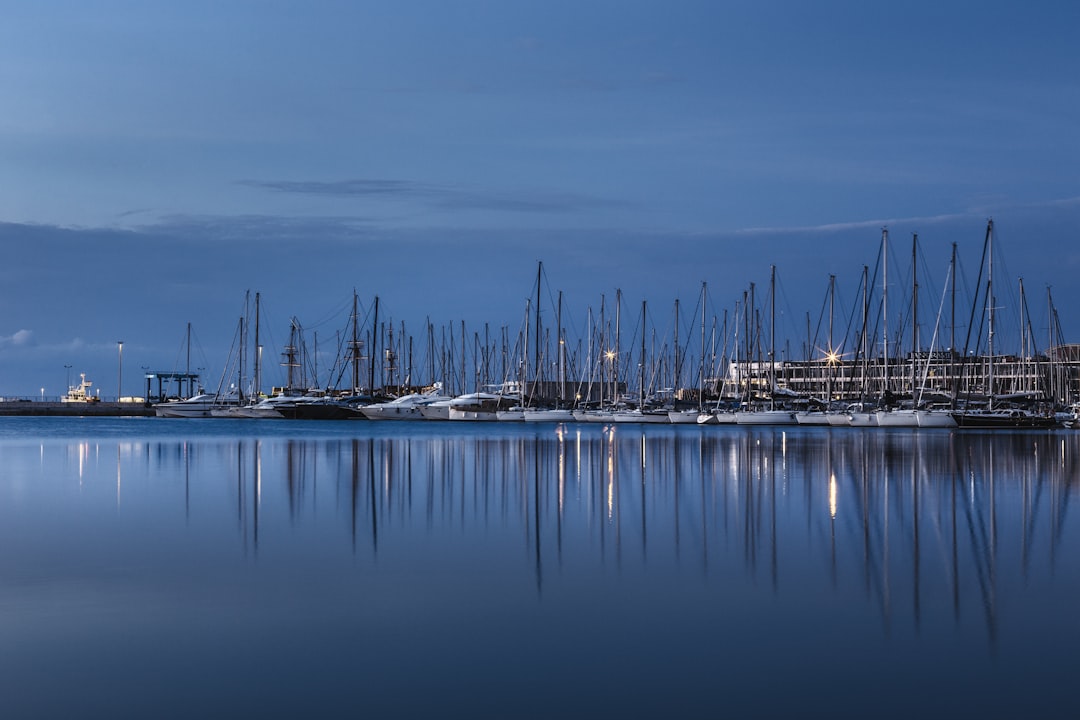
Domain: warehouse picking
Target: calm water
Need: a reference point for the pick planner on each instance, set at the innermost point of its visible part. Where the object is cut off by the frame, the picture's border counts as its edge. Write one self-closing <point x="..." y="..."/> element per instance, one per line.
<point x="190" y="568"/>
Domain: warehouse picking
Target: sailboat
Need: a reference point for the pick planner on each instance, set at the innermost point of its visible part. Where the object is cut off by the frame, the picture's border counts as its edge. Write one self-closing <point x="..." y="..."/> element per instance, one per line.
<point x="899" y="416"/>
<point x="772" y="415"/>
<point x="994" y="415"/>
<point x="640" y="414"/>
<point x="679" y="417"/>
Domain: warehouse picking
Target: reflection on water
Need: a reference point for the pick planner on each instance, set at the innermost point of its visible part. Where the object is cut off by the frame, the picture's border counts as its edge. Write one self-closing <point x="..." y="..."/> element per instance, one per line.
<point x="899" y="534"/>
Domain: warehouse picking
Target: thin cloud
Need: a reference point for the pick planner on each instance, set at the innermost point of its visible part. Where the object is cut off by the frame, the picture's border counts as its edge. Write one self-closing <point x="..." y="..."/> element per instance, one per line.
<point x="856" y="225"/>
<point x="19" y="338"/>
<point x="441" y="197"/>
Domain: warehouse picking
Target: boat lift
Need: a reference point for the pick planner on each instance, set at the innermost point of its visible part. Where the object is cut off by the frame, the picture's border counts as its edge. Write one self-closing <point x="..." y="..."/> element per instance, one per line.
<point x="165" y="383"/>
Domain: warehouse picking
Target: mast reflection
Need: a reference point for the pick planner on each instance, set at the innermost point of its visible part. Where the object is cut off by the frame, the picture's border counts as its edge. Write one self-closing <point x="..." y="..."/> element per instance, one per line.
<point x="916" y="523"/>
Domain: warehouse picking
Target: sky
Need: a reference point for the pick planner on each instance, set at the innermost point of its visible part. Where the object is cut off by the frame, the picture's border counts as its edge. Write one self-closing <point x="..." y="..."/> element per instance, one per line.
<point x="158" y="160"/>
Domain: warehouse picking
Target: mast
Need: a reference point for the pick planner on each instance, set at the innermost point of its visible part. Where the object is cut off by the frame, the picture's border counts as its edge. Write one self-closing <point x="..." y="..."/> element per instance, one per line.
<point x="187" y="368"/>
<point x="641" y="362"/>
<point x="355" y="344"/>
<point x="832" y="350"/>
<point x="990" y="310"/>
<point x="431" y="351"/>
<point x="678" y="366"/>
<point x="952" y="320"/>
<point x="257" y="375"/>
<point x="603" y="349"/>
<point x="560" y="344"/>
<point x="772" y="337"/>
<point x="747" y="323"/>
<point x="536" y="350"/>
<point x="374" y="348"/>
<point x="914" y="312"/>
<point x="618" y="343"/>
<point x="885" y="306"/>
<point x="701" y="365"/>
<point x="523" y="380"/>
<point x="865" y="331"/>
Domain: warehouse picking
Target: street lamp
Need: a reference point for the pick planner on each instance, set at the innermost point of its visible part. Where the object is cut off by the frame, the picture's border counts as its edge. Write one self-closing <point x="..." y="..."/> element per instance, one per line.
<point x="68" y="368"/>
<point x="119" y="369"/>
<point x="43" y="394"/>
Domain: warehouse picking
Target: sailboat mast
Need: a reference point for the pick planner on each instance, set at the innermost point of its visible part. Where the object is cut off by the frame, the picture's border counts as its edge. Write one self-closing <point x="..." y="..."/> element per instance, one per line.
<point x="832" y="349"/>
<point x="618" y="344"/>
<point x="257" y="375"/>
<point x="354" y="354"/>
<point x="561" y="346"/>
<point x="523" y="380"/>
<point x="885" y="305"/>
<point x="641" y="362"/>
<point x="772" y="337"/>
<point x="914" y="311"/>
<point x="701" y="365"/>
<point x="952" y="318"/>
<point x="374" y="348"/>
<point x="678" y="365"/>
<point x="865" y="330"/>
<point x="536" y="350"/>
<point x="603" y="349"/>
<point x="748" y="309"/>
<point x="990" y="309"/>
<point x="187" y="368"/>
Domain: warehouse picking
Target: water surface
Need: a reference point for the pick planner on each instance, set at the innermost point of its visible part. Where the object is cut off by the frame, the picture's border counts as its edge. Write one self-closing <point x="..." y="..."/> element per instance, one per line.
<point x="179" y="568"/>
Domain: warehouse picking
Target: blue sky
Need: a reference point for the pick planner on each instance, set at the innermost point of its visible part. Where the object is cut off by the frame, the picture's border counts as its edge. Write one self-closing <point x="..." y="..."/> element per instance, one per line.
<point x="159" y="159"/>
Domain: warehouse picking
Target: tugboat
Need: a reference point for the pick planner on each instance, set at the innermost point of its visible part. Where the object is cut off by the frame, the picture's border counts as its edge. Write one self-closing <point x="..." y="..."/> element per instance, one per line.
<point x="78" y="393"/>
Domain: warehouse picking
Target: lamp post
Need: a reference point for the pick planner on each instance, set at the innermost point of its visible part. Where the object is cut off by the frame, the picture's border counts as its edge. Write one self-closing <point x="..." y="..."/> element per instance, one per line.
<point x="68" y="368"/>
<point x="119" y="369"/>
<point x="42" y="394"/>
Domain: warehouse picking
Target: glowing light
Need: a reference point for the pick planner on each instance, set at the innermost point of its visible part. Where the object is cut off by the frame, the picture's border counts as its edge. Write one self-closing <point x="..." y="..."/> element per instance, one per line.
<point x="832" y="496"/>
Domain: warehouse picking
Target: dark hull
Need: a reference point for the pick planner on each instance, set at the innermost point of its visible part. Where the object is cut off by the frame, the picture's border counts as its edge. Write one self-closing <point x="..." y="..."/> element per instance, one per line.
<point x="1007" y="419"/>
<point x="322" y="411"/>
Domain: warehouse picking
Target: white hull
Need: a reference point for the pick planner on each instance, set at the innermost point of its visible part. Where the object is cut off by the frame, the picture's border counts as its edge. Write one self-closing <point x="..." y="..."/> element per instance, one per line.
<point x="593" y="416"/>
<point x="637" y="416"/>
<point x="549" y="416"/>
<point x="384" y="411"/>
<point x="199" y="406"/>
<point x="936" y="419"/>
<point x="510" y="415"/>
<point x="436" y="411"/>
<point x="474" y="415"/>
<point x="812" y="418"/>
<point x="897" y="418"/>
<point x="189" y="412"/>
<point x="407" y="407"/>
<point x="683" y="417"/>
<point x="765" y="417"/>
<point x="478" y="407"/>
<point x="839" y="420"/>
<point x="862" y="419"/>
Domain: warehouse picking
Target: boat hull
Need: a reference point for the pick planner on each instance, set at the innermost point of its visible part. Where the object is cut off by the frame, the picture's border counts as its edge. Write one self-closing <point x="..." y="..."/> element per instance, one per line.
<point x="765" y="417"/>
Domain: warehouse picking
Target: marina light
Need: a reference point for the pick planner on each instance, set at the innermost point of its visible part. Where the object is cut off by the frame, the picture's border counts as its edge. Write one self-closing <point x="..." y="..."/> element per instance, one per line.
<point x="119" y="369"/>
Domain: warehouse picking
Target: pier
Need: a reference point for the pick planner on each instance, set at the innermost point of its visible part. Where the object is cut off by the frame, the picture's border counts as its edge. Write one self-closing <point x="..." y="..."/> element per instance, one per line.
<point x="50" y="408"/>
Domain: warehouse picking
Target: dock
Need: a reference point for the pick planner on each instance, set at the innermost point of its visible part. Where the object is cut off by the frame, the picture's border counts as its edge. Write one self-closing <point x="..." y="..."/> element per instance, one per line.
<point x="46" y="408"/>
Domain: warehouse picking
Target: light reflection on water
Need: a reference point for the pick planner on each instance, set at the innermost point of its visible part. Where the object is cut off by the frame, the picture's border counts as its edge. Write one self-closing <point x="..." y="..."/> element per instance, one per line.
<point x="534" y="569"/>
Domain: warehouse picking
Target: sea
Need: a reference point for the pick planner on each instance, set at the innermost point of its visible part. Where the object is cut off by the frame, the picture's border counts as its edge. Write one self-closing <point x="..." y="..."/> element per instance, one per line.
<point x="154" y="568"/>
